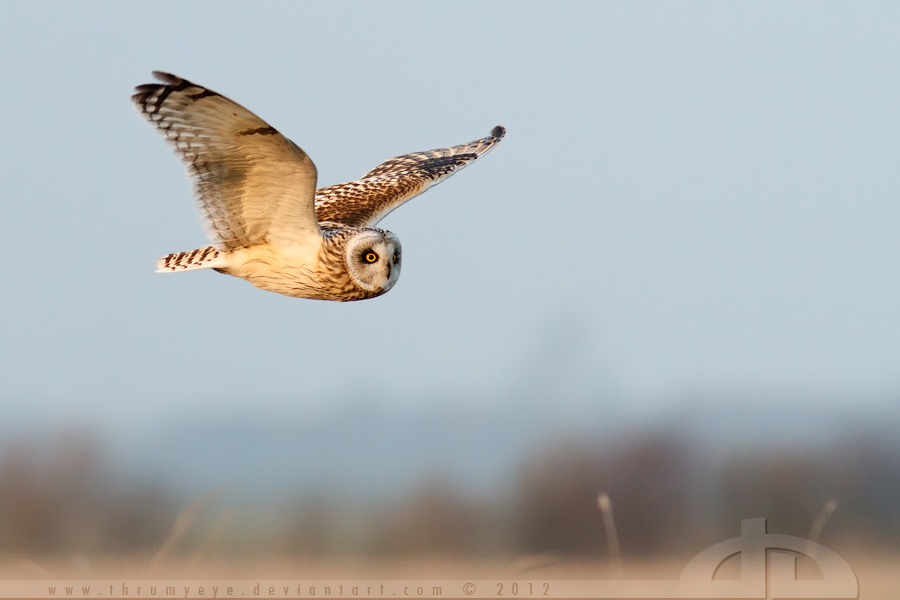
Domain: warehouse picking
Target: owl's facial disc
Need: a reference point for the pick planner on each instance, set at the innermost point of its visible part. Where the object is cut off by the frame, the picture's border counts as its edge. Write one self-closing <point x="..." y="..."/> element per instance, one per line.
<point x="373" y="260"/>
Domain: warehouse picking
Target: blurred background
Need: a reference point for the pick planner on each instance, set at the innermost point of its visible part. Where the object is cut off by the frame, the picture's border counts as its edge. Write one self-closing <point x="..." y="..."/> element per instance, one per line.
<point x="675" y="282"/>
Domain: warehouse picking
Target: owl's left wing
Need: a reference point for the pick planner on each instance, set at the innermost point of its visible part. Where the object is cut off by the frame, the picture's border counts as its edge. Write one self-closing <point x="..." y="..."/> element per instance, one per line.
<point x="365" y="202"/>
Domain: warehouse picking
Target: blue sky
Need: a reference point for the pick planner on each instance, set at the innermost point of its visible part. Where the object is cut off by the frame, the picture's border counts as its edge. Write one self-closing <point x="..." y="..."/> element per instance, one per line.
<point x="692" y="199"/>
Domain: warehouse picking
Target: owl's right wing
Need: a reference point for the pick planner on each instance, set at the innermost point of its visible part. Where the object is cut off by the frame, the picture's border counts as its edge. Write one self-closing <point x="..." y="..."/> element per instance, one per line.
<point x="365" y="202"/>
<point x="252" y="184"/>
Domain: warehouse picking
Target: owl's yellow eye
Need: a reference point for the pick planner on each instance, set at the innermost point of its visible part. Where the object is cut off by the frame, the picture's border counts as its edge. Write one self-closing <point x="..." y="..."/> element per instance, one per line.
<point x="371" y="257"/>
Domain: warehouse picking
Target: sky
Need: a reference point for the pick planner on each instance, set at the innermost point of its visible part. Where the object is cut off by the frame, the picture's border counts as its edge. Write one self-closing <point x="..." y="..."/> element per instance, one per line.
<point x="693" y="199"/>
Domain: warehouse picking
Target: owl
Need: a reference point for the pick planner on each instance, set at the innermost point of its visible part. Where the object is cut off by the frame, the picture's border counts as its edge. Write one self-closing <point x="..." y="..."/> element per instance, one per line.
<point x="267" y="221"/>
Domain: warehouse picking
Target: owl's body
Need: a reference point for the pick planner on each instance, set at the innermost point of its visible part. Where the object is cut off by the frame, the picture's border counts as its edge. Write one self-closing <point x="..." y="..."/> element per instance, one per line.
<point x="268" y="223"/>
<point x="315" y="272"/>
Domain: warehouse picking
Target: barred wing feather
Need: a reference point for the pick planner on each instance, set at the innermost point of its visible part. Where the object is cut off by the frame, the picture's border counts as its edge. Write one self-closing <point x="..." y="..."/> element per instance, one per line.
<point x="365" y="202"/>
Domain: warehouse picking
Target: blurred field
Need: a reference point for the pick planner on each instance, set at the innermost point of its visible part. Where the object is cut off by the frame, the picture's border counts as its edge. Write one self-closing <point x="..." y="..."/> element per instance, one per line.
<point x="62" y="504"/>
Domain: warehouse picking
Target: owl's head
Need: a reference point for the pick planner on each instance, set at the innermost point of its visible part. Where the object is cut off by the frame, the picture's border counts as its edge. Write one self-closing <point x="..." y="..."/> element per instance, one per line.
<point x="373" y="260"/>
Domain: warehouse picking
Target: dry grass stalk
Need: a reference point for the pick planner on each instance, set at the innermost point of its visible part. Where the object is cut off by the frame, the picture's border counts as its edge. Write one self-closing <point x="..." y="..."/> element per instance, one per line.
<point x="215" y="535"/>
<point x="532" y="562"/>
<point x="815" y="532"/>
<point x="612" y="539"/>
<point x="182" y="522"/>
<point x="34" y="569"/>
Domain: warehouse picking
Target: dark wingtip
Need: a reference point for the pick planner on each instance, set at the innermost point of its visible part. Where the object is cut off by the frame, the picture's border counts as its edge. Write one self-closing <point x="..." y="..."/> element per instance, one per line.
<point x="171" y="83"/>
<point x="143" y="90"/>
<point x="498" y="132"/>
<point x="167" y="77"/>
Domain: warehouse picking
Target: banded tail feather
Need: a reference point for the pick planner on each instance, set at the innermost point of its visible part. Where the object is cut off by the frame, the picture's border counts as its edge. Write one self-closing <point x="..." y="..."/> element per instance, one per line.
<point x="201" y="258"/>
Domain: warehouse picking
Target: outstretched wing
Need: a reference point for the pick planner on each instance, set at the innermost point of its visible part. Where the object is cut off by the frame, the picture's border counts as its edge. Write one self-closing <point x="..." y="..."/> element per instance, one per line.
<point x="365" y="202"/>
<point x="252" y="184"/>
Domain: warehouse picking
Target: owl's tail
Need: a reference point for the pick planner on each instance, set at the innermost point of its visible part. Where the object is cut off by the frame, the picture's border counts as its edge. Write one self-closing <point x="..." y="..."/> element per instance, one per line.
<point x="201" y="258"/>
